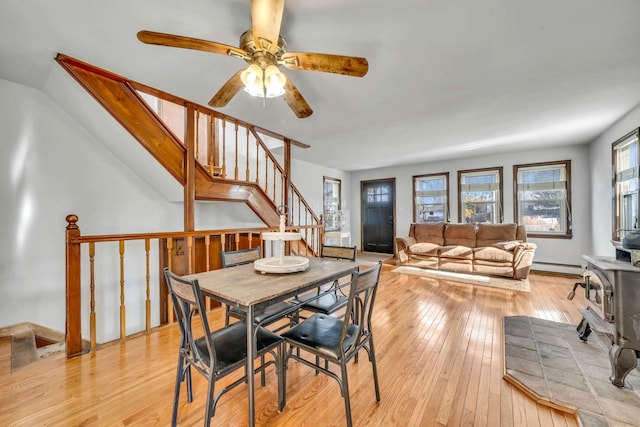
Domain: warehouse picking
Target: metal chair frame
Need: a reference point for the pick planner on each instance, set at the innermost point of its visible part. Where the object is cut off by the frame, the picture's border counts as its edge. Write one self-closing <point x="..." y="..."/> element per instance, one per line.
<point x="332" y="298"/>
<point x="201" y="353"/>
<point x="318" y="335"/>
<point x="269" y="314"/>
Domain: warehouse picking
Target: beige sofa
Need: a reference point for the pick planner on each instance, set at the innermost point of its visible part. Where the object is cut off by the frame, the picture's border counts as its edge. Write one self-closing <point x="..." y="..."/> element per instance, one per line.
<point x="496" y="249"/>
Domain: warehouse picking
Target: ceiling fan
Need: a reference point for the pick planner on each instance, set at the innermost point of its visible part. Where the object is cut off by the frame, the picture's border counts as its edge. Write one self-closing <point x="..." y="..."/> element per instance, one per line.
<point x="265" y="51"/>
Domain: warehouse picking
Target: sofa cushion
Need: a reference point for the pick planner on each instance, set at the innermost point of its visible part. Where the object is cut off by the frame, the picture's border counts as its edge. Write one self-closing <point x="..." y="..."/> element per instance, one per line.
<point x="460" y="252"/>
<point x="464" y="265"/>
<point x="424" y="249"/>
<point x="496" y="270"/>
<point x="431" y="232"/>
<point x="493" y="254"/>
<point x="424" y="261"/>
<point x="460" y="235"/>
<point x="489" y="234"/>
<point x="507" y="246"/>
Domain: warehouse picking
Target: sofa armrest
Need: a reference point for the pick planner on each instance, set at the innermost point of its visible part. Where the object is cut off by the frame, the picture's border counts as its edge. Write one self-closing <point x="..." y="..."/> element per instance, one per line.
<point x="403" y="244"/>
<point x="522" y="259"/>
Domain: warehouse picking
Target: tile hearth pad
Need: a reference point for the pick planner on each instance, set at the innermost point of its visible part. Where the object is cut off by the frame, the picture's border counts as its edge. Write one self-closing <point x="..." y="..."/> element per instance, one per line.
<point x="549" y="362"/>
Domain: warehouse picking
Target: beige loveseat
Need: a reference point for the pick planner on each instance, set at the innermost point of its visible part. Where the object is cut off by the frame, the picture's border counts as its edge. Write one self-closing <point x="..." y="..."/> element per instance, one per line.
<point x="497" y="249"/>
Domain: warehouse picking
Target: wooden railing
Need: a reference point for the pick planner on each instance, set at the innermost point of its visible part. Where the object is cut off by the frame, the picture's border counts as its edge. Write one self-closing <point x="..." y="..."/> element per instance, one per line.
<point x="130" y="267"/>
<point x="232" y="149"/>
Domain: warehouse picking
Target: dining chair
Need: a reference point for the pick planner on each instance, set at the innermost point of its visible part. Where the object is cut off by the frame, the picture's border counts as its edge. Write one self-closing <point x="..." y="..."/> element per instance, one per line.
<point x="338" y="340"/>
<point x="215" y="354"/>
<point x="331" y="299"/>
<point x="239" y="257"/>
<point x="264" y="316"/>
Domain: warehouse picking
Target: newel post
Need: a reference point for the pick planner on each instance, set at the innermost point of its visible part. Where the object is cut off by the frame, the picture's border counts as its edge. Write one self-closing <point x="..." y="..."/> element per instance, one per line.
<point x="73" y="334"/>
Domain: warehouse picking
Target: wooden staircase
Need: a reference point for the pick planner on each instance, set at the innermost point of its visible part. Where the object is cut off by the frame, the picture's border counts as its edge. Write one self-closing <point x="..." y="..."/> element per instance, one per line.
<point x="217" y="157"/>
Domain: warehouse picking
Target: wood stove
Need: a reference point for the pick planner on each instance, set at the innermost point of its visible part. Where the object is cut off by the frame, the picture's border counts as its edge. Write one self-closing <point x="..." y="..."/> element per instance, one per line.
<point x="612" y="291"/>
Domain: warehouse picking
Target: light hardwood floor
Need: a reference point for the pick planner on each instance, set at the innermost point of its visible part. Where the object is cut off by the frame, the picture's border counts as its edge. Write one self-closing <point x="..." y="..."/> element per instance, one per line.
<point x="439" y="352"/>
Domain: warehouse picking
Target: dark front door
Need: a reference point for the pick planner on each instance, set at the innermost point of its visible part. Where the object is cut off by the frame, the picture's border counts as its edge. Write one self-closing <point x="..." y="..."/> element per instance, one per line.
<point x="378" y="215"/>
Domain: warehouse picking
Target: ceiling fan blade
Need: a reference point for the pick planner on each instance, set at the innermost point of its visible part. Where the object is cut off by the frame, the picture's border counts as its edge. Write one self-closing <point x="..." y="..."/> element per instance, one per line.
<point x="296" y="101"/>
<point x="162" y="39"/>
<point x="266" y="18"/>
<point x="227" y="91"/>
<point x="326" y="63"/>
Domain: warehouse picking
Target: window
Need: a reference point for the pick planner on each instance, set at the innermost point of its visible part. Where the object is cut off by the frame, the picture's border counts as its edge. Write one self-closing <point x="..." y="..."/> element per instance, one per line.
<point x="480" y="195"/>
<point x="543" y="198"/>
<point x="431" y="197"/>
<point x="625" y="186"/>
<point x="331" y="203"/>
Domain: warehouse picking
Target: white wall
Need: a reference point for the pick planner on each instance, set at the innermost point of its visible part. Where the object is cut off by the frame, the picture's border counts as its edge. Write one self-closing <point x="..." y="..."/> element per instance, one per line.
<point x="309" y="180"/>
<point x="556" y="251"/>
<point x="52" y="167"/>
<point x="600" y="180"/>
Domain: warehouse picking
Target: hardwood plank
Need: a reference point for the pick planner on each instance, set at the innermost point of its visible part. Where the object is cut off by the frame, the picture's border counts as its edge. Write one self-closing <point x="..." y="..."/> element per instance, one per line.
<point x="506" y="405"/>
<point x="496" y="404"/>
<point x="439" y="353"/>
<point x="482" y="401"/>
<point x="5" y="355"/>
<point x="544" y="415"/>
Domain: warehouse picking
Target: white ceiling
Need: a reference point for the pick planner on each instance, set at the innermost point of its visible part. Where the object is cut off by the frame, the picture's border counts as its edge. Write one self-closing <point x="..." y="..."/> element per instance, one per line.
<point x="447" y="78"/>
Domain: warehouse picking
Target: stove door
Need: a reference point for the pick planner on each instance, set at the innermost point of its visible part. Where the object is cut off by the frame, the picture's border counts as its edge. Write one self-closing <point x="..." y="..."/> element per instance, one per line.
<point x="598" y="291"/>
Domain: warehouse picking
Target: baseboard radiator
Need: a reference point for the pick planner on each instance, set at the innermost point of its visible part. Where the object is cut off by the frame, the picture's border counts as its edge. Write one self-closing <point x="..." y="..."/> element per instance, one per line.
<point x="555" y="267"/>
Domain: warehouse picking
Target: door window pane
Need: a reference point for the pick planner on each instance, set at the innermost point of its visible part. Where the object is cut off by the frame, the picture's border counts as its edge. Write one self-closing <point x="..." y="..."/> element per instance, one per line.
<point x="378" y="194"/>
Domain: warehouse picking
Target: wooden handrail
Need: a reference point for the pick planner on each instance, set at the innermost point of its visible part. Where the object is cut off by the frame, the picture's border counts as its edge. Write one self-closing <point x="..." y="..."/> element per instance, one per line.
<point x="230" y="239"/>
<point x="293" y="187"/>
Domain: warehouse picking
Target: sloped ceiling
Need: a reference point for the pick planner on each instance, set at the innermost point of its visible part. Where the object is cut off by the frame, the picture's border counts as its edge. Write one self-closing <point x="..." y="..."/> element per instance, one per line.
<point x="447" y="78"/>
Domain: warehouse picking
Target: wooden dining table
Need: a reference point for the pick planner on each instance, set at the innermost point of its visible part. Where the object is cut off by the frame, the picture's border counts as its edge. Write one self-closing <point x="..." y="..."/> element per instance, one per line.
<point x="244" y="287"/>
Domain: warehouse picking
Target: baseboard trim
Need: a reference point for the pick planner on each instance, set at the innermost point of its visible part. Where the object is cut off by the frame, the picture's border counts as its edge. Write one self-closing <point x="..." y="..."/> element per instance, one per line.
<point x="553" y="267"/>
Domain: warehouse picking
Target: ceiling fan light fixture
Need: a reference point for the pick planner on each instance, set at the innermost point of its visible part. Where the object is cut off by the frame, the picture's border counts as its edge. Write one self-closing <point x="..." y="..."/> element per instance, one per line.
<point x="252" y="75"/>
<point x="252" y="78"/>
<point x="267" y="83"/>
<point x="274" y="81"/>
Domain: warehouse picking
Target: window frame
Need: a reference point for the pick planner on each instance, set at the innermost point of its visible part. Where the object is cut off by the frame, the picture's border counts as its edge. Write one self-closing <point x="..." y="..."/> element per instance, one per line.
<point x="616" y="223"/>
<point x="568" y="232"/>
<point x="325" y="203"/>
<point x="500" y="208"/>
<point x="446" y="204"/>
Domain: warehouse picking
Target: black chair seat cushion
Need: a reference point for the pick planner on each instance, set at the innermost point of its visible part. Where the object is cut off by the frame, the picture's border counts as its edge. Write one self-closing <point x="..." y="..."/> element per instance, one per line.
<point x="321" y="332"/>
<point x="231" y="345"/>
<point x="327" y="303"/>
<point x="265" y="313"/>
